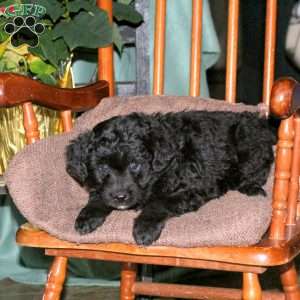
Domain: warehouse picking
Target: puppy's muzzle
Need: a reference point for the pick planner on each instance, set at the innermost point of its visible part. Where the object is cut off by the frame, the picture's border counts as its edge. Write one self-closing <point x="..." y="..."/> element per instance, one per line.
<point x="121" y="200"/>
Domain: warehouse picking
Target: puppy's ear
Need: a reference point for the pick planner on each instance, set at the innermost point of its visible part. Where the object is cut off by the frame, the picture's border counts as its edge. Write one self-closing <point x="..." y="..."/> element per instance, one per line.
<point x="77" y="156"/>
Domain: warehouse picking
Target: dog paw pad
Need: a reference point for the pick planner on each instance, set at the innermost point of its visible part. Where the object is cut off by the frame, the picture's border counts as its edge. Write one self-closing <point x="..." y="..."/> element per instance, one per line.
<point x="252" y="190"/>
<point x="146" y="234"/>
<point x="85" y="225"/>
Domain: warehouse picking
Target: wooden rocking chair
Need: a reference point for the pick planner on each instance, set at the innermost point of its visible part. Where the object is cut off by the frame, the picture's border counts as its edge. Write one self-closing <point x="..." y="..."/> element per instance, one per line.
<point x="282" y="242"/>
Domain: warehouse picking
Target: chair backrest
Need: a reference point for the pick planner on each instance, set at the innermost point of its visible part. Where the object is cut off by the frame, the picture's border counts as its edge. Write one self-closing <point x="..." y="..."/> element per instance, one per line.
<point x="106" y="58"/>
<point x="286" y="207"/>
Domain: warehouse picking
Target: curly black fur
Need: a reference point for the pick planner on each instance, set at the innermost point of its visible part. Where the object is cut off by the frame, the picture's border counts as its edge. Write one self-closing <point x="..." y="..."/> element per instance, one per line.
<point x="168" y="164"/>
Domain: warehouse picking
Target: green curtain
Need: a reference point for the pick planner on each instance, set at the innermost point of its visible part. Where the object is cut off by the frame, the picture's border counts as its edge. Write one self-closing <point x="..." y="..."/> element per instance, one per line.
<point x="30" y="265"/>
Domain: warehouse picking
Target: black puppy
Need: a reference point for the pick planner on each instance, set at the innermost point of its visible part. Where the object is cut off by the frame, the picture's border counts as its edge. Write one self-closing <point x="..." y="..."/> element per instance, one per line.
<point x="168" y="164"/>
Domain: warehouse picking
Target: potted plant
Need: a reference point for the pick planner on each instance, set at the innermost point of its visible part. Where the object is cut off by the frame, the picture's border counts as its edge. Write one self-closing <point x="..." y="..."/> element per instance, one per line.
<point x="39" y="38"/>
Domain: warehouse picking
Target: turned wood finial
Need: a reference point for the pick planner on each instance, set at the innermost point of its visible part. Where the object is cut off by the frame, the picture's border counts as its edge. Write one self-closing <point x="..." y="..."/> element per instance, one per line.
<point x="285" y="97"/>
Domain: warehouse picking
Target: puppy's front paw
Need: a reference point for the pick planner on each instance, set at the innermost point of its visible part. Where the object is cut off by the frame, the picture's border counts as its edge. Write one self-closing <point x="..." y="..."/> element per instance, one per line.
<point x="86" y="222"/>
<point x="145" y="233"/>
<point x="252" y="190"/>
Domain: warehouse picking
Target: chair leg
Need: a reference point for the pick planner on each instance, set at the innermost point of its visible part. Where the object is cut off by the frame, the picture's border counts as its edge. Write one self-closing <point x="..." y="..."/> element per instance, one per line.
<point x="251" y="287"/>
<point x="289" y="280"/>
<point x="56" y="278"/>
<point x="128" y="276"/>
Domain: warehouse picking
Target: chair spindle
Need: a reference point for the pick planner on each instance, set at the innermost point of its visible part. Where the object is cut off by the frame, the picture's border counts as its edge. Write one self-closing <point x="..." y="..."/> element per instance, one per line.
<point x="298" y="204"/>
<point x="294" y="181"/>
<point x="232" y="50"/>
<point x="105" y="54"/>
<point x="128" y="277"/>
<point x="30" y="122"/>
<point x="159" y="47"/>
<point x="251" y="287"/>
<point x="66" y="117"/>
<point x="282" y="178"/>
<point x="196" y="48"/>
<point x="270" y="45"/>
<point x="289" y="280"/>
<point x="56" y="278"/>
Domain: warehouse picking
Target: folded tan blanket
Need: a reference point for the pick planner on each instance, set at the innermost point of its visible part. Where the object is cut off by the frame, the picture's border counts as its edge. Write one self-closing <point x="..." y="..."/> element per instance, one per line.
<point x="50" y="199"/>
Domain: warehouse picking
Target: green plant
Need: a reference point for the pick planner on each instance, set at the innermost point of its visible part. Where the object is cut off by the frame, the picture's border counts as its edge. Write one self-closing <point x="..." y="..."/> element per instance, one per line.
<point x="69" y="26"/>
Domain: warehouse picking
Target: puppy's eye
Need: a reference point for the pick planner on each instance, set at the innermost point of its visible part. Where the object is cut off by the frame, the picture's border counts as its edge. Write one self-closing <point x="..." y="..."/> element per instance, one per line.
<point x="134" y="167"/>
<point x="103" y="168"/>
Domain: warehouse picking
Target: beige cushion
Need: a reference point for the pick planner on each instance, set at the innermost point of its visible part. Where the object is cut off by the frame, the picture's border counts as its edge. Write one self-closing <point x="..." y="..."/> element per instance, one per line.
<point x="50" y="199"/>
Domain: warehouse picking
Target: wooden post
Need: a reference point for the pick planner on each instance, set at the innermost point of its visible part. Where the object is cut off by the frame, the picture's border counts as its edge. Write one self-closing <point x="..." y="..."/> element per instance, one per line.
<point x="128" y="276"/>
<point x="289" y="280"/>
<point x="282" y="178"/>
<point x="31" y="125"/>
<point x="294" y="181"/>
<point x="56" y="278"/>
<point x="232" y="50"/>
<point x="196" y="48"/>
<point x="66" y="117"/>
<point x="251" y="287"/>
<point x="270" y="46"/>
<point x="159" y="47"/>
<point x="105" y="55"/>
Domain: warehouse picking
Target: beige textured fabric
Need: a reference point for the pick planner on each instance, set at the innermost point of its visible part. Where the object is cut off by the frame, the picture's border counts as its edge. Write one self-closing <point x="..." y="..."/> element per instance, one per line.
<point x="50" y="199"/>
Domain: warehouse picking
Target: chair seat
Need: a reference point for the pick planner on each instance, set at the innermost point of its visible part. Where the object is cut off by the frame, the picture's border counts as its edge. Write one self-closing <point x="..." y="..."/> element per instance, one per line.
<point x="265" y="253"/>
<point x="50" y="199"/>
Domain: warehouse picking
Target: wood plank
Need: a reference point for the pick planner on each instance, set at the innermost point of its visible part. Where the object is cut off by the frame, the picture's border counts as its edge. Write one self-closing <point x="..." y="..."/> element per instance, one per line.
<point x="196" y="48"/>
<point x="232" y="50"/>
<point x="267" y="253"/>
<point x="196" y="292"/>
<point x="159" y="47"/>
<point x="17" y="89"/>
<point x="155" y="260"/>
<point x="270" y="49"/>
<point x="105" y="54"/>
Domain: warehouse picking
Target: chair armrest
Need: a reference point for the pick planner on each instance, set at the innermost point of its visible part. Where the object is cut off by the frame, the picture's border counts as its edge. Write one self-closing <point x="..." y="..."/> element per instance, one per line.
<point x="285" y="97"/>
<point x="17" y="89"/>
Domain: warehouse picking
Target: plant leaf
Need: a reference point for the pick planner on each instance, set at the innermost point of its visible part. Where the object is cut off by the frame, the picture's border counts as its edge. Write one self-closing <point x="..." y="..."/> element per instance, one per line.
<point x="117" y="38"/>
<point x="46" y="78"/>
<point x="7" y="3"/>
<point x="38" y="51"/>
<point x="127" y="13"/>
<point x="54" y="9"/>
<point x="88" y="30"/>
<point x="37" y="66"/>
<point x="52" y="50"/>
<point x="3" y="47"/>
<point x="76" y="5"/>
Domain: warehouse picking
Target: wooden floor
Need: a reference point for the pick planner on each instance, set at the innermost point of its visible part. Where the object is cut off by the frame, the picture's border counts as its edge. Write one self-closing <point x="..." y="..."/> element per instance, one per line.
<point x="10" y="290"/>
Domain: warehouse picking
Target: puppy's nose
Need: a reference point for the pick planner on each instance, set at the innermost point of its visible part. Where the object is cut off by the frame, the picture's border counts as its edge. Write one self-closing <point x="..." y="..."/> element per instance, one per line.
<point x="121" y="197"/>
